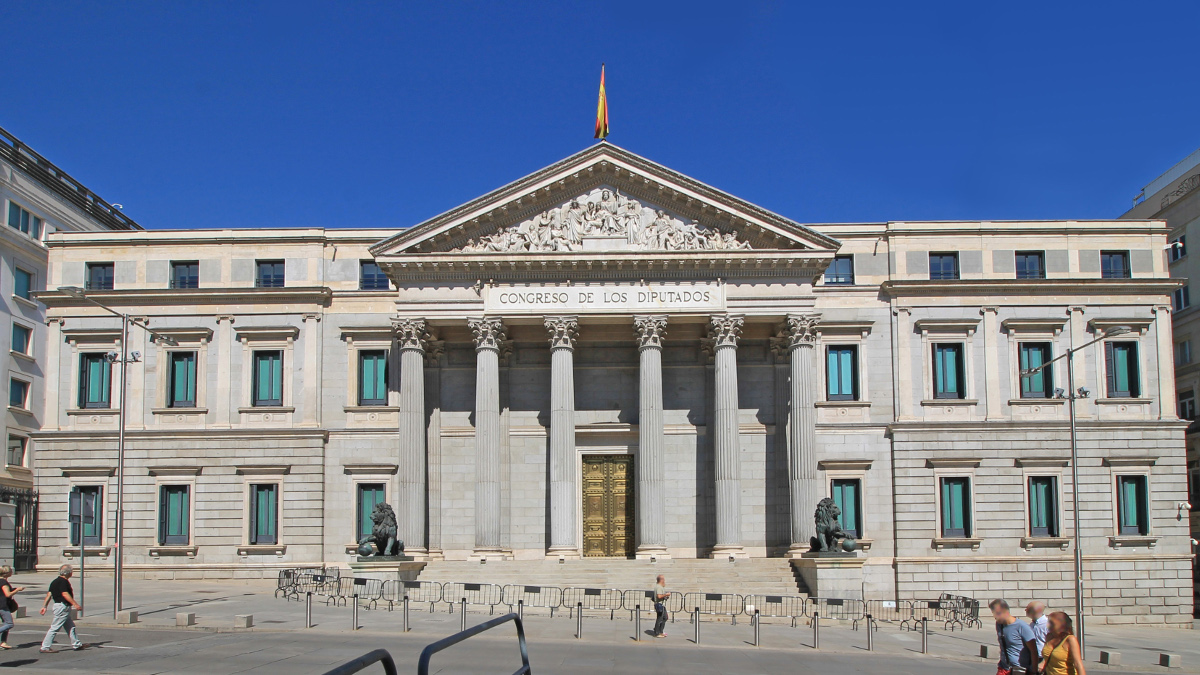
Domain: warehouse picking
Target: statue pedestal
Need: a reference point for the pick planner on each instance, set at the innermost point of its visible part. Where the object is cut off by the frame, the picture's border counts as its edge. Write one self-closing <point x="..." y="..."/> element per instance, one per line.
<point x="835" y="574"/>
<point x="391" y="568"/>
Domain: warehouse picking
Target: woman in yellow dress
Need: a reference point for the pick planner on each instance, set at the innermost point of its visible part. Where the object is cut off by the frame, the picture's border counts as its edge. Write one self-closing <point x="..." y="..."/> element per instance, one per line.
<point x="1061" y="655"/>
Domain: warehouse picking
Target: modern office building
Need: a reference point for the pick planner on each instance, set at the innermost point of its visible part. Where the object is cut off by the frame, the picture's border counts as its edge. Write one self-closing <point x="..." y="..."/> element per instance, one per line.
<point x="608" y="359"/>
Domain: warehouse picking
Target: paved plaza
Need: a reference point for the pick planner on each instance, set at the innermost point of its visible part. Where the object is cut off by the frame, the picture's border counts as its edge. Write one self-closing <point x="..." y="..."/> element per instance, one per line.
<point x="279" y="643"/>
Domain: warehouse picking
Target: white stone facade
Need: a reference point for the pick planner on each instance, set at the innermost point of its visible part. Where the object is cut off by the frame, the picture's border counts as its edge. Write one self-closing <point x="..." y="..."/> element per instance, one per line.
<point x="707" y="364"/>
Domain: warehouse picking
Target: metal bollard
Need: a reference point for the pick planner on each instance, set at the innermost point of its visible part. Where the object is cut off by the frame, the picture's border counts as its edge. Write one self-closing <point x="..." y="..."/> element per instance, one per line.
<point x="579" y="620"/>
<point x="924" y="635"/>
<point x="463" y="620"/>
<point x="696" y="623"/>
<point x="521" y="609"/>
<point x="405" y="626"/>
<point x="354" y="614"/>
<point x="308" y="609"/>
<point x="637" y="623"/>
<point x="816" y="630"/>
<point x="756" y="620"/>
<point x="870" y="637"/>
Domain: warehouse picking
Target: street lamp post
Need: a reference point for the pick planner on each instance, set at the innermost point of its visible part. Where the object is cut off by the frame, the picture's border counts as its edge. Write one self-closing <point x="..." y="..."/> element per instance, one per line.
<point x="1071" y="397"/>
<point x="125" y="359"/>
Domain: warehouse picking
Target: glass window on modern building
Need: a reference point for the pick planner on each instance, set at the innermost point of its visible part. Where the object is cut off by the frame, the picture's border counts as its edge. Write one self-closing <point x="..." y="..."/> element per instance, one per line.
<point x="264" y="513"/>
<point x="1043" y="506"/>
<point x="943" y="266"/>
<point x="22" y="283"/>
<point x="100" y="276"/>
<point x="948" y="371"/>
<point x="1181" y="298"/>
<point x="840" y="271"/>
<point x="956" y="506"/>
<point x="268" y="378"/>
<point x="174" y="515"/>
<point x="1039" y="384"/>
<point x="1114" y="264"/>
<point x="847" y="494"/>
<point x="18" y="393"/>
<point x="181" y="386"/>
<point x="22" y="337"/>
<point x="369" y="494"/>
<point x="16" y="450"/>
<point x="1187" y="405"/>
<point x="371" y="276"/>
<point x="268" y="273"/>
<point x="21" y="219"/>
<point x="1031" y="265"/>
<point x="1183" y="352"/>
<point x="1133" y="506"/>
<point x="185" y="274"/>
<point x="841" y="373"/>
<point x="372" y="377"/>
<point x="95" y="381"/>
<point x="1121" y="364"/>
<point x="93" y="529"/>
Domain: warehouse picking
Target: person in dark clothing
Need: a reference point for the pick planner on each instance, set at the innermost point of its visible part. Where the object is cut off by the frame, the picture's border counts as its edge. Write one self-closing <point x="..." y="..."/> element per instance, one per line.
<point x="8" y="605"/>
<point x="64" y="601"/>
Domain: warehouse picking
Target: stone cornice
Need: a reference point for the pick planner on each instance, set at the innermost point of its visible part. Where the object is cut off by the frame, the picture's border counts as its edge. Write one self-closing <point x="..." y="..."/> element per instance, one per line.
<point x="140" y="297"/>
<point x="1005" y="287"/>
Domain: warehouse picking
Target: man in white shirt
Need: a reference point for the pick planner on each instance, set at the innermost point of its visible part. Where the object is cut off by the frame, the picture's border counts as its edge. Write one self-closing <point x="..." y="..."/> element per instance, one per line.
<point x="1036" y="611"/>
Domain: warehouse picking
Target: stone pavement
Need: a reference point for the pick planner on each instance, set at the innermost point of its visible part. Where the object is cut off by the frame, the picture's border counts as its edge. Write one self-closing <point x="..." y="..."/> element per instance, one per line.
<point x="280" y="644"/>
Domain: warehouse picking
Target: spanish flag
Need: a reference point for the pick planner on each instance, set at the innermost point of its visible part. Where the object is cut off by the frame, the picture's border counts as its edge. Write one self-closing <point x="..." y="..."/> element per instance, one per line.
<point x="602" y="110"/>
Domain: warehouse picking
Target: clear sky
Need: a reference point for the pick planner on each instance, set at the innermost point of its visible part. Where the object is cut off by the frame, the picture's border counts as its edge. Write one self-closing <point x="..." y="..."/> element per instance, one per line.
<point x="223" y="114"/>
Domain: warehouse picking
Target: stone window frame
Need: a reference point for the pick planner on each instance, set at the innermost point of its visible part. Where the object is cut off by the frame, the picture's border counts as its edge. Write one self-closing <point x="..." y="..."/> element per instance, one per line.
<point x="852" y="469"/>
<point x="371" y="338"/>
<point x="1140" y="329"/>
<point x="954" y="468"/>
<point x="1052" y="467"/>
<point x="1036" y="330"/>
<point x="1132" y="466"/>
<point x="948" y="331"/>
<point x="174" y="476"/>
<point x="367" y="473"/>
<point x="263" y="475"/>
<point x="25" y="379"/>
<point x="88" y="341"/>
<point x="267" y="338"/>
<point x="26" y="355"/>
<point x="835" y="334"/>
<point x="105" y="477"/>
<point x="189" y="340"/>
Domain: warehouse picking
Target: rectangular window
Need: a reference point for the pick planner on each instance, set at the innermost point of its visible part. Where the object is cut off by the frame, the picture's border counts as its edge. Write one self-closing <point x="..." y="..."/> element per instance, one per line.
<point x="1178" y="248"/>
<point x="23" y="220"/>
<point x="100" y="276"/>
<point x="372" y="377"/>
<point x="92" y="529"/>
<point x="1121" y="362"/>
<point x="1133" y="507"/>
<point x="1187" y="405"/>
<point x="1183" y="352"/>
<point x="1043" y="506"/>
<point x="21" y="338"/>
<point x="1181" y="298"/>
<point x="16" y="450"/>
<point x="185" y="274"/>
<point x="1039" y="384"/>
<point x="181" y="391"/>
<point x="948" y="380"/>
<point x="268" y="274"/>
<point x="371" y="276"/>
<point x="18" y="393"/>
<point x="841" y="373"/>
<point x="22" y="283"/>
<point x="943" y="266"/>
<point x="840" y="272"/>
<point x="956" y="507"/>
<point x="264" y="514"/>
<point x="1114" y="264"/>
<point x="95" y="381"/>
<point x="847" y="494"/>
<point x="369" y="494"/>
<point x="1031" y="265"/>
<point x="268" y="378"/>
<point x="174" y="515"/>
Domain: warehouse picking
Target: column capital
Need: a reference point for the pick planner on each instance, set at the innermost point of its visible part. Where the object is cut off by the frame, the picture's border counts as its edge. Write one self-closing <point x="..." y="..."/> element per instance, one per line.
<point x="799" y="330"/>
<point x="725" y="329"/>
<point x="650" y="331"/>
<point x="488" y="333"/>
<point x="224" y="318"/>
<point x="410" y="333"/>
<point x="564" y="330"/>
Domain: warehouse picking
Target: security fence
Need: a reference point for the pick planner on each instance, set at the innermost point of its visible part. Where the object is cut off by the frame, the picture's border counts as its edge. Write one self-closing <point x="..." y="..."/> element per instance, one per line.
<point x="721" y="604"/>
<point x="422" y="592"/>
<point x="517" y="595"/>
<point x="484" y="595"/>
<point x="784" y="606"/>
<point x="606" y="599"/>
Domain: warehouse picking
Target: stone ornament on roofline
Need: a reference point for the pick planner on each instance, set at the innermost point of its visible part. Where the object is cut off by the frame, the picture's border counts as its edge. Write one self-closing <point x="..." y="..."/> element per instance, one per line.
<point x="488" y="333"/>
<point x="650" y="330"/>
<point x="563" y="331"/>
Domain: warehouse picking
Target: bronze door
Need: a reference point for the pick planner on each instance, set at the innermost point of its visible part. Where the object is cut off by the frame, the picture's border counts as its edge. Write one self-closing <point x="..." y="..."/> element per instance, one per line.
<point x="607" y="505"/>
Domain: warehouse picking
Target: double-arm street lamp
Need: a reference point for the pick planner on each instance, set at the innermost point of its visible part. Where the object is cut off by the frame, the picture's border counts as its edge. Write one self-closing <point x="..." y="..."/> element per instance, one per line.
<point x="1071" y="397"/>
<point x="124" y="359"/>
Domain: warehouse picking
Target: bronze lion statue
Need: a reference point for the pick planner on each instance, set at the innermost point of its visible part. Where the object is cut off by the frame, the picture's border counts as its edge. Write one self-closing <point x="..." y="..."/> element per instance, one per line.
<point x="383" y="534"/>
<point x="829" y="528"/>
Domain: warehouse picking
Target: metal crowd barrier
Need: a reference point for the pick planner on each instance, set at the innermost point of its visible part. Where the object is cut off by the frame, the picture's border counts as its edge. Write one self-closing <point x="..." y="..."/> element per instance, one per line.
<point x="417" y="591"/>
<point x="885" y="610"/>
<point x="789" y="606"/>
<point x="369" y="591"/>
<point x="286" y="583"/>
<point x="488" y="595"/>
<point x="916" y="610"/>
<point x="607" y="599"/>
<point x="548" y="597"/>
<point x="445" y="643"/>
<point x="836" y="608"/>
<point x="338" y="591"/>
<point x="719" y="604"/>
<point x="369" y="659"/>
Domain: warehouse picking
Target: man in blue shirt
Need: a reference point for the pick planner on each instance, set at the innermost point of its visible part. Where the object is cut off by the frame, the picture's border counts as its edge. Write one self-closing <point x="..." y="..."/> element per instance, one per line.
<point x="1017" y="643"/>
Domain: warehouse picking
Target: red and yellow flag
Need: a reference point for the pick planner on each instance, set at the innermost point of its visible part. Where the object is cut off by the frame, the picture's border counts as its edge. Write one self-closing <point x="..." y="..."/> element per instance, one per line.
<point x="602" y="110"/>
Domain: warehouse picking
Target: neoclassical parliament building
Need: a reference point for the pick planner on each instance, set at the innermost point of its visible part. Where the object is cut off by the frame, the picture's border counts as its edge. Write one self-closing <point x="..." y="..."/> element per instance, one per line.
<point x="609" y="359"/>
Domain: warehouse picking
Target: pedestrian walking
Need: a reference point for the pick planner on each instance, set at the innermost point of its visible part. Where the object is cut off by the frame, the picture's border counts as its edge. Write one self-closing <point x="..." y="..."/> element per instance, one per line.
<point x="63" y="597"/>
<point x="1017" y="643"/>
<point x="8" y="605"/>
<point x="1062" y="655"/>
<point x="660" y="608"/>
<point x="1036" y="611"/>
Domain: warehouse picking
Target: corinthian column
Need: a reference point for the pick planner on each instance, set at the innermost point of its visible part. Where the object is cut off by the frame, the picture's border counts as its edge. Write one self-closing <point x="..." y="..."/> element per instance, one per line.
<point x="489" y="335"/>
<point x="411" y="337"/>
<point x="563" y="490"/>
<point x="725" y="331"/>
<point x="804" y="485"/>
<point x="651" y="471"/>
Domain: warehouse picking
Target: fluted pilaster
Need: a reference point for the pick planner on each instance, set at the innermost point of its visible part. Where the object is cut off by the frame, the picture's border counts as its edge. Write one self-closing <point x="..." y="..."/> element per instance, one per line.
<point x="489" y="337"/>
<point x="804" y="484"/>
<point x="724" y="331"/>
<point x="651" y="470"/>
<point x="411" y="338"/>
<point x="564" y="488"/>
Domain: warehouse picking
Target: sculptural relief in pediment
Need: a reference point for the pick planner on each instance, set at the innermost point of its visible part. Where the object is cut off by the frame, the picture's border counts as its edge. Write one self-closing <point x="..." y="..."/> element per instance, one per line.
<point x="605" y="219"/>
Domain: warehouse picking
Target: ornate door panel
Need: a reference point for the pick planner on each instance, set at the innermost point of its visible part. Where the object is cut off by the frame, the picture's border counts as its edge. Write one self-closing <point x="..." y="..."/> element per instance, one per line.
<point x="608" y="505"/>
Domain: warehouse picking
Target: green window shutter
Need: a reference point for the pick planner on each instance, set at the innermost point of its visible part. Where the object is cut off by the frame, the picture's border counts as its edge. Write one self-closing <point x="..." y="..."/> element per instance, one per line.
<point x="21" y="283"/>
<point x="263" y="514"/>
<point x="1043" y="507"/>
<point x="14" y="216"/>
<point x="369" y="494"/>
<point x="846" y="496"/>
<point x="372" y="378"/>
<point x="183" y="379"/>
<point x="174" y="515"/>
<point x="268" y="378"/>
<point x="956" y="516"/>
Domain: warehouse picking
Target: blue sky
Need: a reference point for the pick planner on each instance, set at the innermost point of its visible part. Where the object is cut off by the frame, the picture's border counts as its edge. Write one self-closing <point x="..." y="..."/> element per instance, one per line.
<point x="384" y="114"/>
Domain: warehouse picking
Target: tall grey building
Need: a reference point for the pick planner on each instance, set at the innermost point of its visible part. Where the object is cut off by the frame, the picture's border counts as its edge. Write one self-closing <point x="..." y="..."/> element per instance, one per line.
<point x="608" y="359"/>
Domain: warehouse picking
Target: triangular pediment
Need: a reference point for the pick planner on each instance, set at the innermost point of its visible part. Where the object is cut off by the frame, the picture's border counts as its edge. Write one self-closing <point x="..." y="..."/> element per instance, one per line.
<point x="603" y="199"/>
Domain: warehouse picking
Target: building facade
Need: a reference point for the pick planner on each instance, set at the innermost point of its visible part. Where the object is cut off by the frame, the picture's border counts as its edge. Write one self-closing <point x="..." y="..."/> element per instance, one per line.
<point x="1174" y="198"/>
<point x="609" y="359"/>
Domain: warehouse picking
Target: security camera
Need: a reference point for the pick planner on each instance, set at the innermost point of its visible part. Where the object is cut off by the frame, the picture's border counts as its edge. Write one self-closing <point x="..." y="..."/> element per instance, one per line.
<point x="135" y="356"/>
<point x="1084" y="392"/>
<point x="1174" y="244"/>
<point x="1187" y="506"/>
<point x="112" y="357"/>
<point x="1059" y="392"/>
